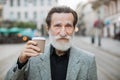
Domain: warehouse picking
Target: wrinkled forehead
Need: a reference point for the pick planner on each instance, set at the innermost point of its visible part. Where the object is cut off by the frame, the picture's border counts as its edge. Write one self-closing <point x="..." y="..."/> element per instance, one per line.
<point x="61" y="14"/>
<point x="58" y="17"/>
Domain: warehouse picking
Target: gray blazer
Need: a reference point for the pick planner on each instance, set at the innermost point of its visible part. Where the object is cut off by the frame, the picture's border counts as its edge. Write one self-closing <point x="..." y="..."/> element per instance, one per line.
<point x="81" y="66"/>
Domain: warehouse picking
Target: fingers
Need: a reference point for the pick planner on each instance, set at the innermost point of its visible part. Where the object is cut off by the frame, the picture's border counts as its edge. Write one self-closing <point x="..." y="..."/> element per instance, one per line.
<point x="30" y="50"/>
<point x="31" y="42"/>
<point x="33" y="48"/>
<point x="26" y="54"/>
<point x="31" y="53"/>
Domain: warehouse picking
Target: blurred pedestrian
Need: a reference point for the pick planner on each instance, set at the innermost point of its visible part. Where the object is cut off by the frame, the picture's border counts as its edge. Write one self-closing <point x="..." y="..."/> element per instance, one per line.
<point x="61" y="60"/>
<point x="92" y="34"/>
<point x="98" y="25"/>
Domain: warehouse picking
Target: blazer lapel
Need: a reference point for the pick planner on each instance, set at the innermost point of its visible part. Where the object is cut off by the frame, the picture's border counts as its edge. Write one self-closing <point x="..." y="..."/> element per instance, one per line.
<point x="74" y="64"/>
<point x="45" y="69"/>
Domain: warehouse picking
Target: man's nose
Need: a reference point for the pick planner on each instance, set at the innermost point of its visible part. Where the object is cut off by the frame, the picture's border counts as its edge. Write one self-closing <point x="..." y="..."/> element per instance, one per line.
<point x="63" y="32"/>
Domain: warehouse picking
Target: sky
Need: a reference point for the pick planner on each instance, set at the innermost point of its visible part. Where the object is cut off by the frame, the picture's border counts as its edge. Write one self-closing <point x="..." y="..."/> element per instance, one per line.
<point x="70" y="3"/>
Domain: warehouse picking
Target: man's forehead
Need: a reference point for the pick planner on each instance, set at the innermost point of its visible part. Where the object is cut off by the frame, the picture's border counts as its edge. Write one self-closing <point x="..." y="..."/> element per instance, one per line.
<point x="56" y="13"/>
<point x="56" y="16"/>
<point x="66" y="22"/>
<point x="60" y="18"/>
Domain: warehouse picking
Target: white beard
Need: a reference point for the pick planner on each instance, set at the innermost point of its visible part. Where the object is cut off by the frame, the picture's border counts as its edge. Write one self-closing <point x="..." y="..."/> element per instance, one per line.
<point x="63" y="46"/>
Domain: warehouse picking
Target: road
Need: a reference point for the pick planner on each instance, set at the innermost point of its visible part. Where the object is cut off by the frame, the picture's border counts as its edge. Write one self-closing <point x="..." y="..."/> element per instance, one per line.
<point x="8" y="56"/>
<point x="107" y="63"/>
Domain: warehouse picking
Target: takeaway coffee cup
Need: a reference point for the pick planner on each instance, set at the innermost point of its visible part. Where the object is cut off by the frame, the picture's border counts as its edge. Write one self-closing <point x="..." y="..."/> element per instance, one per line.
<point x="40" y="43"/>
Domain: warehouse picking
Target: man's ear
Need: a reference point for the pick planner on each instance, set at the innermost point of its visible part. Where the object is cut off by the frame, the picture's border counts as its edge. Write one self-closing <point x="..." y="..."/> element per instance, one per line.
<point x="76" y="29"/>
<point x="47" y="29"/>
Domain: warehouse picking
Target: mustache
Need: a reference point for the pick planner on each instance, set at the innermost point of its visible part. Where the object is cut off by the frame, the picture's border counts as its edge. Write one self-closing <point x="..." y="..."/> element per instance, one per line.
<point x="59" y="37"/>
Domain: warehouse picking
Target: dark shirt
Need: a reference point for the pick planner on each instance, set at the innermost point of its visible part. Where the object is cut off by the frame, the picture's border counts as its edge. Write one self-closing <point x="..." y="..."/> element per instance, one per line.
<point x="59" y="65"/>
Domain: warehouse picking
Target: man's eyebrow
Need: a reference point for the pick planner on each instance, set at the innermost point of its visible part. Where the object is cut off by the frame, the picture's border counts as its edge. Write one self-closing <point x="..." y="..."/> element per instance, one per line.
<point x="69" y="23"/>
<point x="56" y="24"/>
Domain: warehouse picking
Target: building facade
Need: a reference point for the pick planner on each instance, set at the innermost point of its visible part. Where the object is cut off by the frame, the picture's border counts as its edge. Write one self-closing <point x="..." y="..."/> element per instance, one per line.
<point x="106" y="10"/>
<point x="27" y="10"/>
<point x="86" y="19"/>
<point x="111" y="16"/>
<point x="1" y="9"/>
<point x="2" y="2"/>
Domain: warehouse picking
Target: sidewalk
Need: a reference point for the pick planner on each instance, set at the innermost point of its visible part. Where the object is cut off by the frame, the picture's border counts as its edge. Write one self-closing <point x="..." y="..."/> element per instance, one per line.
<point x="107" y="44"/>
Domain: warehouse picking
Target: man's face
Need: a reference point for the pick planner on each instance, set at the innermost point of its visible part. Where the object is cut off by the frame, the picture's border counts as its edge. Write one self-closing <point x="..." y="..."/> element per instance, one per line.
<point x="61" y="30"/>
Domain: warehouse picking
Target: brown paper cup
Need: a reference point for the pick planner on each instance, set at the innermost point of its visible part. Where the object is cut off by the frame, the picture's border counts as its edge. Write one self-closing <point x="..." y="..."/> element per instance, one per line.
<point x="40" y="43"/>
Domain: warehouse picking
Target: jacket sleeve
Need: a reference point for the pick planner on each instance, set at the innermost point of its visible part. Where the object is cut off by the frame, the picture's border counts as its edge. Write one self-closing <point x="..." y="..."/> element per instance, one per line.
<point x="17" y="74"/>
<point x="92" y="72"/>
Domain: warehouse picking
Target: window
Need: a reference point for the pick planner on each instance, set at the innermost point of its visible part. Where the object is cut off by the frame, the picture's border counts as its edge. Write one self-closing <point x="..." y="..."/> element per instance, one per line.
<point x="11" y="3"/>
<point x="0" y="12"/>
<point x="26" y="15"/>
<point x="18" y="15"/>
<point x="18" y="2"/>
<point x="118" y="5"/>
<point x="49" y="2"/>
<point x="35" y="2"/>
<point x="41" y="14"/>
<point x="106" y="11"/>
<point x="113" y="6"/>
<point x="11" y="13"/>
<point x="42" y="2"/>
<point x="11" y="16"/>
<point x="25" y="2"/>
<point x="35" y="15"/>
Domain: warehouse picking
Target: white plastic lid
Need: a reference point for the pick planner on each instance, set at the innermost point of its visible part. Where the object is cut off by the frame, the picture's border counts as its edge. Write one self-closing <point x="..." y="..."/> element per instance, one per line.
<point x="38" y="38"/>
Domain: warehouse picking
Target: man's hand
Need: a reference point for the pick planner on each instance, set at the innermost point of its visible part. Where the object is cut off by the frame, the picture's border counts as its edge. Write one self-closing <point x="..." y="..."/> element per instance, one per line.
<point x="30" y="50"/>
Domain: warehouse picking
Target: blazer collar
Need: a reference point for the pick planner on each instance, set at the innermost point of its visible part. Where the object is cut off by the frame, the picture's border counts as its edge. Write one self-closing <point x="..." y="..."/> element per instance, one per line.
<point x="74" y="64"/>
<point x="45" y="69"/>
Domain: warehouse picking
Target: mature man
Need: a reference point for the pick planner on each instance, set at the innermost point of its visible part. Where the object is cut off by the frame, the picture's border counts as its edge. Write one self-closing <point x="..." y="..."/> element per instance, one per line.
<point x="61" y="60"/>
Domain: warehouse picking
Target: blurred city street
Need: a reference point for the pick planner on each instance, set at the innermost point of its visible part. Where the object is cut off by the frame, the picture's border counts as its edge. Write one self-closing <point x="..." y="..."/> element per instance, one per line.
<point x="107" y="56"/>
<point x="97" y="30"/>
